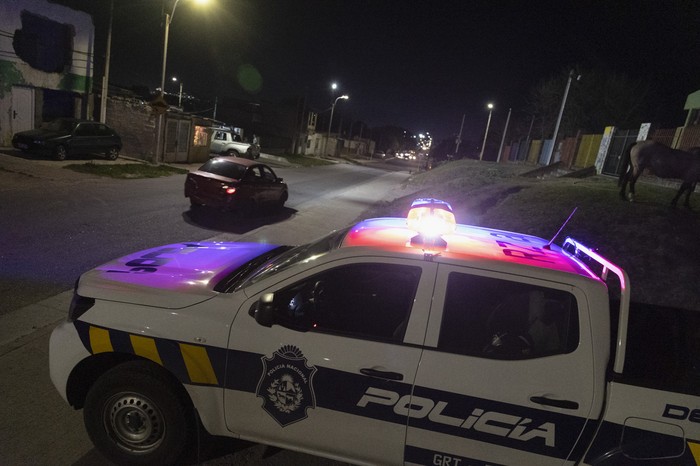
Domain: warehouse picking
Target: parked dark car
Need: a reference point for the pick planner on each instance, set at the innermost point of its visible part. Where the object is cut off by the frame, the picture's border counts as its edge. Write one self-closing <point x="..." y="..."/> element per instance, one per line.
<point x="69" y="136"/>
<point x="233" y="183"/>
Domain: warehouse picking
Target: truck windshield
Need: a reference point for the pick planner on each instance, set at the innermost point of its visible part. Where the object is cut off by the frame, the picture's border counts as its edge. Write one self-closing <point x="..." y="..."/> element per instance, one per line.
<point x="298" y="255"/>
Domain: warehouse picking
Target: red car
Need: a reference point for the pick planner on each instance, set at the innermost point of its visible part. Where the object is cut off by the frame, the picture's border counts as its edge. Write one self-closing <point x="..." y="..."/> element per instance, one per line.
<point x="233" y="183"/>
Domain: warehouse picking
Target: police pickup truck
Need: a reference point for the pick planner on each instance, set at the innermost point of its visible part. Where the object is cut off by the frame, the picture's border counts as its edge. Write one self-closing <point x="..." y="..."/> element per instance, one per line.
<point x="393" y="341"/>
<point x="225" y="141"/>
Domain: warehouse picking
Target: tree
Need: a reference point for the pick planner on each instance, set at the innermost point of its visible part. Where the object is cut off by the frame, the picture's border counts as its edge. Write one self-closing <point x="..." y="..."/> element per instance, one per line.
<point x="598" y="99"/>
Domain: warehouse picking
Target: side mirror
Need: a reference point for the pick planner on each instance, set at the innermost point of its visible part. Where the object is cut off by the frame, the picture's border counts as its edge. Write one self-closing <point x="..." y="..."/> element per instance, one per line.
<point x="279" y="180"/>
<point x="264" y="310"/>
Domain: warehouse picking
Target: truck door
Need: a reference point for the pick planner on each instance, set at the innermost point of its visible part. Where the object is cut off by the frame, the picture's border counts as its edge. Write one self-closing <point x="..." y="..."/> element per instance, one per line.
<point x="329" y="385"/>
<point x="507" y="375"/>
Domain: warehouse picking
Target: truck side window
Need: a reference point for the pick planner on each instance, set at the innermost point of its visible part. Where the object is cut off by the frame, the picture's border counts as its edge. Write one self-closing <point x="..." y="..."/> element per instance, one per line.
<point x="500" y="319"/>
<point x="369" y="301"/>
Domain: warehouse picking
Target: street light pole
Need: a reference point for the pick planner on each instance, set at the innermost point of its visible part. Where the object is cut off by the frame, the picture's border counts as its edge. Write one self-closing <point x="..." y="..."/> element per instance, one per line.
<point x="459" y="137"/>
<point x="488" y="123"/>
<point x="159" y="137"/>
<point x="330" y="122"/>
<point x="105" y="78"/>
<point x="503" y="138"/>
<point x="561" y="112"/>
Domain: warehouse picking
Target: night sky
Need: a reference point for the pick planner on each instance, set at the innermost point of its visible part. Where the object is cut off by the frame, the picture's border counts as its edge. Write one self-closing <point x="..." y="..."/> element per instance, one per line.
<point x="417" y="65"/>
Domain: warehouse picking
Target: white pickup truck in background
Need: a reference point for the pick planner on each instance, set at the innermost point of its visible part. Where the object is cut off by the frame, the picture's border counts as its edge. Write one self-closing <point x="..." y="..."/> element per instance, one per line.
<point x="225" y="141"/>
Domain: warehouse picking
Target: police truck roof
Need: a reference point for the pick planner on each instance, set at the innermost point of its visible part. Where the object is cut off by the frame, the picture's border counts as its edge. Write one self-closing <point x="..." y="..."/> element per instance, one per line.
<point x="461" y="242"/>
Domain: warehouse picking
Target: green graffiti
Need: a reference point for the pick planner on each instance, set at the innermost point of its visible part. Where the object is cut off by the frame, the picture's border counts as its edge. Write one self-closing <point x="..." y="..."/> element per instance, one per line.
<point x="9" y="75"/>
<point x="74" y="82"/>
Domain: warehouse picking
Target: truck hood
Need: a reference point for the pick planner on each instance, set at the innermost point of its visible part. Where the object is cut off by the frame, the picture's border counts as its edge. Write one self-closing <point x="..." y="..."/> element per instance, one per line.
<point x="172" y="276"/>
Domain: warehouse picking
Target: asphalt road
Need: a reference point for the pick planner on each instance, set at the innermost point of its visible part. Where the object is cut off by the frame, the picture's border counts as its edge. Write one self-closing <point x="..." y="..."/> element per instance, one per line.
<point x="57" y="224"/>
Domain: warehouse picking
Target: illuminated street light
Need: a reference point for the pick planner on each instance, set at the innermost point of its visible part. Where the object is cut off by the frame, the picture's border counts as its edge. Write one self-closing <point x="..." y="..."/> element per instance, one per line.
<point x="330" y="123"/>
<point x="488" y="123"/>
<point x="179" y="99"/>
<point x="168" y="20"/>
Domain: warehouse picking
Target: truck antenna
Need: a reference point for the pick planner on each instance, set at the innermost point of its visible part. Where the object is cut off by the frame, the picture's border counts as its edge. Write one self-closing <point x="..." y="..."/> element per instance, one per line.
<point x="549" y="245"/>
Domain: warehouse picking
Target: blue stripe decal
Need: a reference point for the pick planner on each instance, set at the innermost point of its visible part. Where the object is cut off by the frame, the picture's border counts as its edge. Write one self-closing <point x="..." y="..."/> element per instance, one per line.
<point x="519" y="427"/>
<point x="508" y="425"/>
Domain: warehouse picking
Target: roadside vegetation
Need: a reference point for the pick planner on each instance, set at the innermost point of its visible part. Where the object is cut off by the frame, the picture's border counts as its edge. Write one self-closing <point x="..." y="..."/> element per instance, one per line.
<point x="654" y="243"/>
<point x="126" y="170"/>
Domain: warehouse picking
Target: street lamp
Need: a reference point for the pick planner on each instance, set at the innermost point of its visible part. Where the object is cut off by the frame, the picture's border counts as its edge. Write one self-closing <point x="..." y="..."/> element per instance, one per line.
<point x="105" y="78"/>
<point x="179" y="99"/>
<point x="330" y="122"/>
<point x="488" y="123"/>
<point x="168" y="20"/>
<point x="561" y="112"/>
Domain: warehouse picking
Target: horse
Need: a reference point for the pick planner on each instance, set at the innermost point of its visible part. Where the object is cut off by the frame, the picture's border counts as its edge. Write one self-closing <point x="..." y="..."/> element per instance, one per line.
<point x="663" y="162"/>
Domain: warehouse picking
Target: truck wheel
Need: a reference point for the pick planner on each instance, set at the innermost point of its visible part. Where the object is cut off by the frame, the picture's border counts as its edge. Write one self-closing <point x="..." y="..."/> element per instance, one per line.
<point x="60" y="153"/>
<point x="232" y="153"/>
<point x="112" y="153"/>
<point x="134" y="414"/>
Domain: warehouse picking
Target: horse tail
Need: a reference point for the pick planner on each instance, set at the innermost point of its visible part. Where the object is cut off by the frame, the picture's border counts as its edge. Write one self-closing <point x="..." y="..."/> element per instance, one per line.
<point x="625" y="163"/>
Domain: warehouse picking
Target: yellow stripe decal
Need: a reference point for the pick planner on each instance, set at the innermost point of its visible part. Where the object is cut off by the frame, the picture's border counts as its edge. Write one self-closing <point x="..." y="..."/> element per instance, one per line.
<point x="198" y="364"/>
<point x="695" y="450"/>
<point x="146" y="347"/>
<point x="99" y="340"/>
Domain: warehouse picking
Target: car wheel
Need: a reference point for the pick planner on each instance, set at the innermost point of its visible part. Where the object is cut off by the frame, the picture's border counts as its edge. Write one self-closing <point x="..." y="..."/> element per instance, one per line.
<point x="60" y="153"/>
<point x="112" y="153"/>
<point x="135" y="414"/>
<point x="232" y="153"/>
<point x="283" y="199"/>
<point x="194" y="203"/>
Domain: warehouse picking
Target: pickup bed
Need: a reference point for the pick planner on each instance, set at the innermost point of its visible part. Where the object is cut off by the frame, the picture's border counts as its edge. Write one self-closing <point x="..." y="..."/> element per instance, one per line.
<point x="226" y="142"/>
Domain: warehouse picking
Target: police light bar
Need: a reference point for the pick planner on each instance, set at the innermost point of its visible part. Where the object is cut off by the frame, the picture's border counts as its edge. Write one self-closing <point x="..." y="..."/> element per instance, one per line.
<point x="430" y="218"/>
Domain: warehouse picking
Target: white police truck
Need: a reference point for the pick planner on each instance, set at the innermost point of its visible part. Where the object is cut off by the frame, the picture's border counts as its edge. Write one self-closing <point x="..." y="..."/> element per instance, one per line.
<point x="394" y="341"/>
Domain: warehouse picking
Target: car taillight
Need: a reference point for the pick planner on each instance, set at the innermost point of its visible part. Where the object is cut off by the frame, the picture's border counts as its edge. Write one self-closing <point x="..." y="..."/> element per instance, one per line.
<point x="229" y="189"/>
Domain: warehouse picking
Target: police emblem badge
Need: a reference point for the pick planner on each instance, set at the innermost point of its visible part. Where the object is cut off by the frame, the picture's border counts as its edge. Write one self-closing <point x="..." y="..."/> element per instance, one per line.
<point x="286" y="385"/>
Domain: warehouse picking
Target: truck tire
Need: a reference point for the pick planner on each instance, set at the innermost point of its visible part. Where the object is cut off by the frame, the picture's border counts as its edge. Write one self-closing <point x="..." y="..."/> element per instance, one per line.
<point x="135" y="414"/>
<point x="232" y="153"/>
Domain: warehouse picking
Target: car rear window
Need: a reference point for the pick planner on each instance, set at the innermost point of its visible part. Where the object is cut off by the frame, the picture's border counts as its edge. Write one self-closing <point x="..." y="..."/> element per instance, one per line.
<point x="224" y="168"/>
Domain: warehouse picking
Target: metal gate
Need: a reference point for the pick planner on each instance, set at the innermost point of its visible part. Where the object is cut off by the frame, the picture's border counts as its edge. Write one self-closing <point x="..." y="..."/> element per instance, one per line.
<point x="619" y="141"/>
<point x="177" y="138"/>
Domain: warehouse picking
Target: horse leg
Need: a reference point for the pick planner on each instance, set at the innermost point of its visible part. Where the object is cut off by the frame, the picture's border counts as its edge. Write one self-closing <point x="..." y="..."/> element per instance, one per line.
<point x="623" y="184"/>
<point x="685" y="186"/>
<point x="689" y="187"/>
<point x="633" y="180"/>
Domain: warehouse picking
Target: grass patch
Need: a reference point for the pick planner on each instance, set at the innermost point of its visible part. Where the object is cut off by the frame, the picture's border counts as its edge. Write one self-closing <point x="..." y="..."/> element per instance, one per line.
<point x="127" y="170"/>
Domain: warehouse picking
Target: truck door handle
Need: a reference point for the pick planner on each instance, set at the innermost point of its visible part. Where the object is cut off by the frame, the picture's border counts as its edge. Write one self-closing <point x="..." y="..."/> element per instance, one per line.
<point x="564" y="404"/>
<point x="381" y="374"/>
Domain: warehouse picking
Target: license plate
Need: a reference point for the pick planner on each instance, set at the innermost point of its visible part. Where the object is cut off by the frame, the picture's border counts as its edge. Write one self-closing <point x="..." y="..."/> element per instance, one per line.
<point x="22" y="146"/>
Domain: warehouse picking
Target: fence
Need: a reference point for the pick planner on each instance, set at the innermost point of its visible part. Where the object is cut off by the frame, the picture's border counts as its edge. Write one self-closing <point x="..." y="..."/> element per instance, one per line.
<point x="582" y="150"/>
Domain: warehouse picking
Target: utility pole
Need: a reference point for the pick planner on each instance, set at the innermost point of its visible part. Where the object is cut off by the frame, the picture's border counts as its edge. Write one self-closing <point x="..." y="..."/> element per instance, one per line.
<point x="561" y="112"/>
<point x="459" y="137"/>
<point x="105" y="78"/>
<point x="503" y="138"/>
